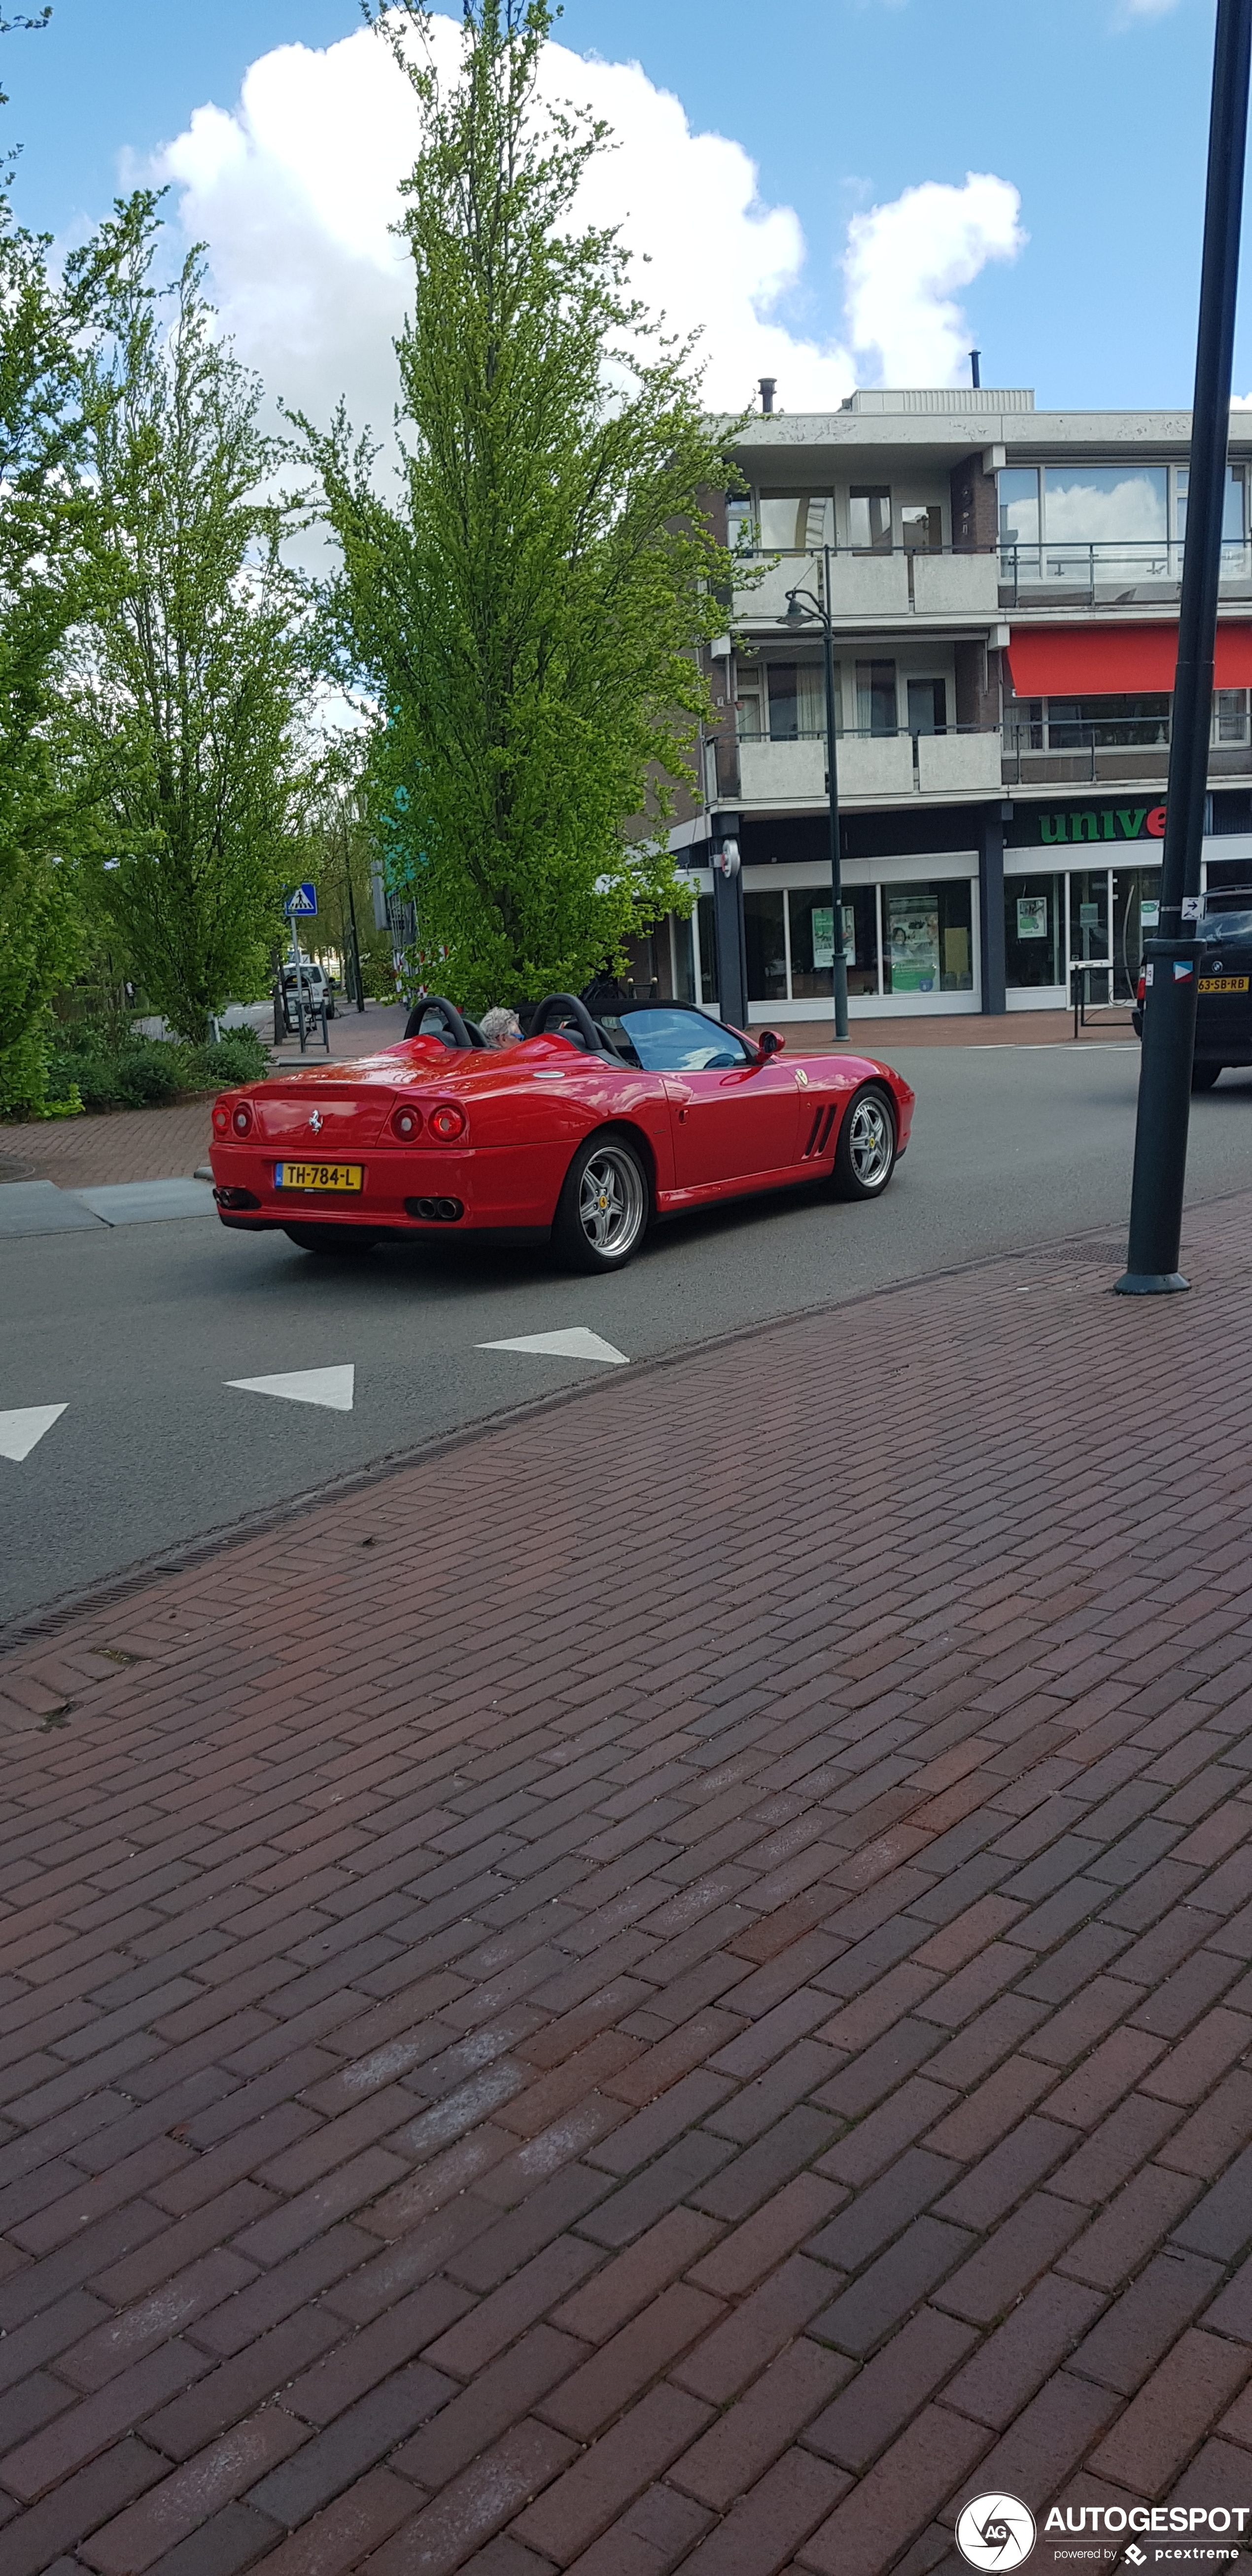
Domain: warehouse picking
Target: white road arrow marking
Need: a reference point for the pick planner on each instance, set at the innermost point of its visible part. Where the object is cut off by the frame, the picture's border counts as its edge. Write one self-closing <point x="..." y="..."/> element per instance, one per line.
<point x="574" y="1343"/>
<point x="22" y="1430"/>
<point x="330" y="1386"/>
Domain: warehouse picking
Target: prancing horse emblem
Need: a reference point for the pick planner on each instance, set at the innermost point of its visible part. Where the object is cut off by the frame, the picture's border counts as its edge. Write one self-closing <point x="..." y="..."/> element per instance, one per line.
<point x="315" y="1122"/>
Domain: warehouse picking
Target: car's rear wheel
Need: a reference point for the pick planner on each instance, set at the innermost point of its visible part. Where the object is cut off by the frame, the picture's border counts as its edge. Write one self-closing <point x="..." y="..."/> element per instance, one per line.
<point x="1203" y="1076"/>
<point x="865" y="1154"/>
<point x="603" y="1210"/>
<point x="331" y="1238"/>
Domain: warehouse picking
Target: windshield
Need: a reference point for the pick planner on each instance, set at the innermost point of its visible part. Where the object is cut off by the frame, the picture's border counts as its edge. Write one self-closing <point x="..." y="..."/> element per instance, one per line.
<point x="1225" y="925"/>
<point x="673" y="1040"/>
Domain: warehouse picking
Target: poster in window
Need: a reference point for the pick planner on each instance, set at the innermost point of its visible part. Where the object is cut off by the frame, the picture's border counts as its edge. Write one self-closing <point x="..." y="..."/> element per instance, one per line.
<point x="913" y="940"/>
<point x="823" y="920"/>
<point x="1032" y="916"/>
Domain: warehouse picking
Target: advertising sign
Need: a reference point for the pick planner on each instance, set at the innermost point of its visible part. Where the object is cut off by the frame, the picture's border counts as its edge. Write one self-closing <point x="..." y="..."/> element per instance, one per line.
<point x="823" y="919"/>
<point x="1032" y="916"/>
<point x="913" y="940"/>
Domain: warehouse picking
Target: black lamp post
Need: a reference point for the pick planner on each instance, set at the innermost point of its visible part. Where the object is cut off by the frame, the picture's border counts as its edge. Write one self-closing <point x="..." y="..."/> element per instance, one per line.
<point x="1172" y="959"/>
<point x="796" y="617"/>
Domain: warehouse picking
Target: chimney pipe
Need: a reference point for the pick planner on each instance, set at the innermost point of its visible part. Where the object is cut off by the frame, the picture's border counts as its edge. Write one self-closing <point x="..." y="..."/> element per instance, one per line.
<point x="975" y="371"/>
<point x="768" y="388"/>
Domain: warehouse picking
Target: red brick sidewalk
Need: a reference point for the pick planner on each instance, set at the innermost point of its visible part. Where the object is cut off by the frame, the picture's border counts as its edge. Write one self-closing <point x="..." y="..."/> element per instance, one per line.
<point x="667" y="1989"/>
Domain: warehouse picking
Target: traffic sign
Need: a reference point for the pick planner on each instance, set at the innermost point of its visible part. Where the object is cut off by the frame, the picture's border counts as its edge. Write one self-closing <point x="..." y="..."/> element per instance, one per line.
<point x="303" y="901"/>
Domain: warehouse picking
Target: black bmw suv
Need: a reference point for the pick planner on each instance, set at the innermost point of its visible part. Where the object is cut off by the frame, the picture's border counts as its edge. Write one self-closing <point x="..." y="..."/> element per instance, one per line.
<point x="1223" y="1026"/>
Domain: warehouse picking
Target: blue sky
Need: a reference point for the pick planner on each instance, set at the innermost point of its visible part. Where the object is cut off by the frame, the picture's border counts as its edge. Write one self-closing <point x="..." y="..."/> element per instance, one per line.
<point x="1094" y="110"/>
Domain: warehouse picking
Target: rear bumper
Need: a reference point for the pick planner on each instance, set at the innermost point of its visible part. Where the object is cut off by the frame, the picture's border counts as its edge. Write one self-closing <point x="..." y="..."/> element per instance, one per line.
<point x="442" y="1192"/>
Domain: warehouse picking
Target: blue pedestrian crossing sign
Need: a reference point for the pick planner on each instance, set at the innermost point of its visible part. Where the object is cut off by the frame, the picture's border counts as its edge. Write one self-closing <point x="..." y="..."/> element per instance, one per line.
<point x="303" y="901"/>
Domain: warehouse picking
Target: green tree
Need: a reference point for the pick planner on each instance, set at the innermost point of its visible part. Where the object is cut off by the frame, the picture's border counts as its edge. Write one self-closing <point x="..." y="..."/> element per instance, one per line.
<point x="194" y="665"/>
<point x="46" y="552"/>
<point x="523" y="612"/>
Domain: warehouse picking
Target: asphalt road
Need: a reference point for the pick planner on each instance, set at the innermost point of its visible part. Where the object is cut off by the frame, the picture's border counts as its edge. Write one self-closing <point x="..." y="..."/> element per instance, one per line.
<point x="136" y="1329"/>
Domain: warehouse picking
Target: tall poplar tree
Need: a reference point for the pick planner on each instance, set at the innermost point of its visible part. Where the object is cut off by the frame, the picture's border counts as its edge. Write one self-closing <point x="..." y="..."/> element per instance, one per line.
<point x="195" y="663"/>
<point x="46" y="553"/>
<point x="523" y="608"/>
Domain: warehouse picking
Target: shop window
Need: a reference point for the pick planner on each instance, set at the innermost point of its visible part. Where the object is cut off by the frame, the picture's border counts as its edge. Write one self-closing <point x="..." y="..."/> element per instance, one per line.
<point x="812" y="943"/>
<point x="708" y="950"/>
<point x="1136" y="917"/>
<point x="684" y="959"/>
<point x="928" y="706"/>
<point x="876" y="697"/>
<point x="1089" y="924"/>
<point x="1034" y="932"/>
<point x="869" y="519"/>
<point x="765" y="942"/>
<point x="928" y="938"/>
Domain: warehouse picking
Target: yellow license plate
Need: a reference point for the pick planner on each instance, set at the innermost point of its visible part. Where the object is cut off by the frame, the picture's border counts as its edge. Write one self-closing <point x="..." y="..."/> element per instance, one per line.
<point x="319" y="1176"/>
<point x="1223" y="983"/>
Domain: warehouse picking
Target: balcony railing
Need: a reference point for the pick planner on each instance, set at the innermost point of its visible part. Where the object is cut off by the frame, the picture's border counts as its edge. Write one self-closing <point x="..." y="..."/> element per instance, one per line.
<point x="955" y="760"/>
<point x="877" y="582"/>
<point x="1109" y="571"/>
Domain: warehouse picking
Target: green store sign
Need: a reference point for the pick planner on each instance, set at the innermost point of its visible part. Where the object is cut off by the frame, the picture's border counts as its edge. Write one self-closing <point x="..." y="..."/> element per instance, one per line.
<point x="1097" y="823"/>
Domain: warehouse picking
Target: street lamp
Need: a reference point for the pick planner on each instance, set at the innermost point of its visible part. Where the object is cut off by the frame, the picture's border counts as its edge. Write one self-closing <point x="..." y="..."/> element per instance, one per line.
<point x="796" y="617"/>
<point x="1172" y="958"/>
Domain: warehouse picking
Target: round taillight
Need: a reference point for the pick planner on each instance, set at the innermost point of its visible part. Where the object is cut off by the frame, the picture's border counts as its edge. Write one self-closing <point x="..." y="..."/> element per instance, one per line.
<point x="406" y="1122"/>
<point x="447" y="1121"/>
<point x="221" y="1119"/>
<point x="242" y="1119"/>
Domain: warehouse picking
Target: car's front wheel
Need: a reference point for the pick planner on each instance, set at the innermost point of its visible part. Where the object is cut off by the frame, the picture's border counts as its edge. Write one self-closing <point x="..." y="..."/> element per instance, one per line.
<point x="603" y="1210"/>
<point x="331" y="1238"/>
<point x="865" y="1154"/>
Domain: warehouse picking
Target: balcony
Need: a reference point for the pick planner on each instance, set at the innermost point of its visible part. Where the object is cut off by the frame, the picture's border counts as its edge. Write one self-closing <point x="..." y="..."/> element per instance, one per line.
<point x="1121" y="751"/>
<point x="1113" y="572"/>
<point x="896" y="585"/>
<point x="874" y="768"/>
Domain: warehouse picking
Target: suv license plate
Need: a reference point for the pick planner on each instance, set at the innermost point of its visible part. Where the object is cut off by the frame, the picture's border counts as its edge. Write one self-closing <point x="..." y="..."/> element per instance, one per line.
<point x="319" y="1176"/>
<point x="1223" y="983"/>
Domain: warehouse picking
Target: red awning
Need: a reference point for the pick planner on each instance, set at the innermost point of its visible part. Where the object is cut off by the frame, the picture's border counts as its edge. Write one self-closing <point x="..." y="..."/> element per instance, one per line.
<point x="1117" y="661"/>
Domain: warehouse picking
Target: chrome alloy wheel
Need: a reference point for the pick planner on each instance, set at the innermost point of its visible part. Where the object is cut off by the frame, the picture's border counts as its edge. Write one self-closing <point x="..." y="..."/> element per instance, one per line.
<point x="612" y="1202"/>
<point x="871" y="1144"/>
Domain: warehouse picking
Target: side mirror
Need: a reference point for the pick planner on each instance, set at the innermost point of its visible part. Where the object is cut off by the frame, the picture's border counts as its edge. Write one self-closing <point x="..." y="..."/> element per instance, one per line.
<point x="770" y="1042"/>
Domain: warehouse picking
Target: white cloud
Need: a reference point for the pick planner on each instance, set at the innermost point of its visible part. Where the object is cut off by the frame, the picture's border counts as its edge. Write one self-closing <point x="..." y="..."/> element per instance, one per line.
<point x="1133" y="9"/>
<point x="295" y="190"/>
<point x="903" y="261"/>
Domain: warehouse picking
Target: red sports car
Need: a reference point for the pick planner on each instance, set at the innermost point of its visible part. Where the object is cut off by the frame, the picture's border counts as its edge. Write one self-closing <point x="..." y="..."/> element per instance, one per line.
<point x="578" y="1134"/>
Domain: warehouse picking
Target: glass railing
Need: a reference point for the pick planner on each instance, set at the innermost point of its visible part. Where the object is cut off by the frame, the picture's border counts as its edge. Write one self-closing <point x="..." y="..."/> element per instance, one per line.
<point x="1109" y="565"/>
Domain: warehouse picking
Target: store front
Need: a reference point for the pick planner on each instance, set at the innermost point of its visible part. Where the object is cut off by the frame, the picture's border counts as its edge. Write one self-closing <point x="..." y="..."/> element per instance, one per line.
<point x="1057" y="917"/>
<point x="910" y="929"/>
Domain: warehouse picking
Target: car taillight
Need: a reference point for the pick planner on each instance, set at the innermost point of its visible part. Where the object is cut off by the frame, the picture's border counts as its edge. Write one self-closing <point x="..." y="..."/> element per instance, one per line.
<point x="241" y="1119"/>
<point x="447" y="1121"/>
<point x="406" y="1121"/>
<point x="1142" y="985"/>
<point x="221" y="1119"/>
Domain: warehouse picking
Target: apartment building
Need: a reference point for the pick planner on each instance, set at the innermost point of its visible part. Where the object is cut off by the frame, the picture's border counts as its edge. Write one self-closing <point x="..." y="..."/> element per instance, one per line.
<point x="1003" y="587"/>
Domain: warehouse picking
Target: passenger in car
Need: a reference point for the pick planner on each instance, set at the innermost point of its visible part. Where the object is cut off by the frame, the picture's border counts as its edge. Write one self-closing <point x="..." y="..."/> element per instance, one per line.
<point x="500" y="1027"/>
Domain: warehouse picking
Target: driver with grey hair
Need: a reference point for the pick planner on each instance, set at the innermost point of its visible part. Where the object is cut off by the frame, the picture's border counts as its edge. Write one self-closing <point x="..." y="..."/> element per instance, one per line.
<point x="500" y="1027"/>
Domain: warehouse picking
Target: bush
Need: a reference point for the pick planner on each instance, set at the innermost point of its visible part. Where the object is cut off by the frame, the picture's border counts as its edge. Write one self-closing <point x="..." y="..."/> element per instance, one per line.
<point x="145" y="1073"/>
<point x="241" y="1056"/>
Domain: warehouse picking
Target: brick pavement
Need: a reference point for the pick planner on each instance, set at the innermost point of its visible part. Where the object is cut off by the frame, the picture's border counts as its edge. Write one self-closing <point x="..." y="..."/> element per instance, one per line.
<point x="670" y="1988"/>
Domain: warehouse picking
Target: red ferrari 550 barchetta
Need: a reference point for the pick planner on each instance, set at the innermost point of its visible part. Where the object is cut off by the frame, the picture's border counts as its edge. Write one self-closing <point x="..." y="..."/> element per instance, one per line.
<point x="580" y="1134"/>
